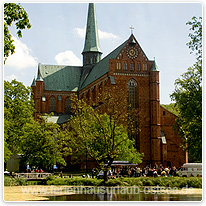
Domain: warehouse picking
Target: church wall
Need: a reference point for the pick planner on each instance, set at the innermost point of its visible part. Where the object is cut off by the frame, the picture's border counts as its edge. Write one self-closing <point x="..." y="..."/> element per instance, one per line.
<point x="122" y="77"/>
<point x="41" y="99"/>
<point x="175" y="155"/>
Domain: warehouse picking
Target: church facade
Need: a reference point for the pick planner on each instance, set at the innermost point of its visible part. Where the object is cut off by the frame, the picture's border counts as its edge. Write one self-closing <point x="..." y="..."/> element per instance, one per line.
<point x="126" y="66"/>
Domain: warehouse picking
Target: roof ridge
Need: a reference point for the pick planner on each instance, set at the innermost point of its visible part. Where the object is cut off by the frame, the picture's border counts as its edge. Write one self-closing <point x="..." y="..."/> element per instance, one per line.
<point x="56" y="65"/>
<point x="104" y="59"/>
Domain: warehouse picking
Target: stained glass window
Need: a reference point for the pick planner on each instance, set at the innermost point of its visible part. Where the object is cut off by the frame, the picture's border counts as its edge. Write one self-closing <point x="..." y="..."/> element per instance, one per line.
<point x="52" y="104"/>
<point x="132" y="94"/>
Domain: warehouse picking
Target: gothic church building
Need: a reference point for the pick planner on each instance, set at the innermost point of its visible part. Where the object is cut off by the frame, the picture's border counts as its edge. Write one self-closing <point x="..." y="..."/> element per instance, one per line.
<point x="128" y="66"/>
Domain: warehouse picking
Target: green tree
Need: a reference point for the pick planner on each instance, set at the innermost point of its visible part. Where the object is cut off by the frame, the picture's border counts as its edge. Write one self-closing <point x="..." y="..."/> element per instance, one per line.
<point x="100" y="137"/>
<point x="41" y="146"/>
<point x="188" y="97"/>
<point x="41" y="143"/>
<point x="195" y="44"/>
<point x="172" y="108"/>
<point x="13" y="13"/>
<point x="18" y="110"/>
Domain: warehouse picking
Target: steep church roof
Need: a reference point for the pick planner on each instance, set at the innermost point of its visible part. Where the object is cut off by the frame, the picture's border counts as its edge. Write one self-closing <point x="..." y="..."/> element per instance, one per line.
<point x="60" y="77"/>
<point x="92" y="38"/>
<point x="102" y="67"/>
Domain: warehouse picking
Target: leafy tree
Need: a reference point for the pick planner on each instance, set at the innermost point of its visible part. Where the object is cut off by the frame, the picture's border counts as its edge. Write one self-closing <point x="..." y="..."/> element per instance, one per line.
<point x="41" y="146"/>
<point x="111" y="102"/>
<point x="195" y="44"/>
<point x="18" y="110"/>
<point x="100" y="137"/>
<point x="13" y="13"/>
<point x="172" y="108"/>
<point x="188" y="97"/>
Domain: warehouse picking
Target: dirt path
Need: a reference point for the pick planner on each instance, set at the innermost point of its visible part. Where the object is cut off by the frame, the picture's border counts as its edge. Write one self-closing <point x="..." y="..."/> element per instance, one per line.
<point x="33" y="193"/>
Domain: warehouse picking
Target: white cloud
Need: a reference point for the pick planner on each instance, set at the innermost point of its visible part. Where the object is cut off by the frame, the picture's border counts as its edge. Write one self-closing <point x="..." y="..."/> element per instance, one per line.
<point x="105" y="35"/>
<point x="68" y="58"/>
<point x="81" y="32"/>
<point x="102" y="34"/>
<point x="22" y="57"/>
<point x="10" y="77"/>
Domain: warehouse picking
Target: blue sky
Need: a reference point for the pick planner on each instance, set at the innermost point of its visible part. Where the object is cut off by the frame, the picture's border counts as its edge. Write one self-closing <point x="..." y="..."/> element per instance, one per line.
<point x="57" y="36"/>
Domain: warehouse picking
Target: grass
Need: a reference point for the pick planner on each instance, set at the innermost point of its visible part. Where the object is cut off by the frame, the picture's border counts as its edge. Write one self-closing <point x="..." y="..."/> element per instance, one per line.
<point x="179" y="182"/>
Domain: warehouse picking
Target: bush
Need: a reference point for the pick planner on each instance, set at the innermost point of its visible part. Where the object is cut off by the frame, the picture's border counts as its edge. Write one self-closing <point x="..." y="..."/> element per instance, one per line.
<point x="10" y="181"/>
<point x="114" y="182"/>
<point x="76" y="181"/>
<point x="195" y="182"/>
<point x="180" y="182"/>
<point x="148" y="182"/>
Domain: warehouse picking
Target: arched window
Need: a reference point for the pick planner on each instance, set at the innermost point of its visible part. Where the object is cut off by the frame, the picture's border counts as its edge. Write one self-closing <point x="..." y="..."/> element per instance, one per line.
<point x="132" y="94"/>
<point x="94" y="59"/>
<point x="52" y="104"/>
<point x="125" y="66"/>
<point x="132" y="66"/>
<point x="133" y="131"/>
<point x="138" y="67"/>
<point x="67" y="105"/>
<point x="118" y="66"/>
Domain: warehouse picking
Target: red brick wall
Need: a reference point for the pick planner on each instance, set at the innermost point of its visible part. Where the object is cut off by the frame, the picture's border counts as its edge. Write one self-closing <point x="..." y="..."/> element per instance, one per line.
<point x="175" y="154"/>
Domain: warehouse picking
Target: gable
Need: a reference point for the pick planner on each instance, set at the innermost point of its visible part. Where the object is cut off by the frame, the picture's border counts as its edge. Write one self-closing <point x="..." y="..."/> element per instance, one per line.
<point x="132" y="51"/>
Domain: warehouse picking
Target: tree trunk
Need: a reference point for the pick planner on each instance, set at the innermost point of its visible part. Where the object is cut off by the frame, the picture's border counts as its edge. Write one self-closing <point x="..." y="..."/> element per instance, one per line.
<point x="105" y="176"/>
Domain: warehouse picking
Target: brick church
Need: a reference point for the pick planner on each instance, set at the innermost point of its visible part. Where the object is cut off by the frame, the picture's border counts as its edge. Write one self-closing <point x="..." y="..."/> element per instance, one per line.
<point x="128" y="66"/>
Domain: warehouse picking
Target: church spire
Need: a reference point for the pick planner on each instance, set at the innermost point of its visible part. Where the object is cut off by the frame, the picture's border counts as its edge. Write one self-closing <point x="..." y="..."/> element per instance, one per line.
<point x="91" y="52"/>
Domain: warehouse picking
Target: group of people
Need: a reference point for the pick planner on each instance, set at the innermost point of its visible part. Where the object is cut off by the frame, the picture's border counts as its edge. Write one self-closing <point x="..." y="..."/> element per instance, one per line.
<point x="144" y="172"/>
<point x="34" y="170"/>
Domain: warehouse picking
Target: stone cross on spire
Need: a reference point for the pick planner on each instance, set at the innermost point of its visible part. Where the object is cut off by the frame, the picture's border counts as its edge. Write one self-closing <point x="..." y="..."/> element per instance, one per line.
<point x="132" y="28"/>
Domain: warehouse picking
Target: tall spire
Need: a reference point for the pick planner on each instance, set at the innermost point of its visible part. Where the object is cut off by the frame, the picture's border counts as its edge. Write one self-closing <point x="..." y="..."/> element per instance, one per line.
<point x="91" y="52"/>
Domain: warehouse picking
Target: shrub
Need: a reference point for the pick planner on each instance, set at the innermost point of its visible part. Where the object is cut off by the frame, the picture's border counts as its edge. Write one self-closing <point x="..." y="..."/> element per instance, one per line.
<point x="9" y="181"/>
<point x="195" y="182"/>
<point x="147" y="182"/>
<point x="180" y="182"/>
<point x="74" y="181"/>
<point x="113" y="182"/>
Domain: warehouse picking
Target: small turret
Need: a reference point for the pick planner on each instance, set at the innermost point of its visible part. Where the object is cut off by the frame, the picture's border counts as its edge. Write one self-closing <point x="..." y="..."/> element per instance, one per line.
<point x="33" y="83"/>
<point x="154" y="67"/>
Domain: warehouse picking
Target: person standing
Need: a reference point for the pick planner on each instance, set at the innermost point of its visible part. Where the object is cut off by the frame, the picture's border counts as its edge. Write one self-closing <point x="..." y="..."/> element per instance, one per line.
<point x="61" y="174"/>
<point x="93" y="171"/>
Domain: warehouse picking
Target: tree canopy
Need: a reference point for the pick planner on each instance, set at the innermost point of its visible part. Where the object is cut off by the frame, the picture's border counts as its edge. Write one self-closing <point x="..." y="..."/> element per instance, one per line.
<point x="100" y="136"/>
<point x="188" y="96"/>
<point x="195" y="43"/>
<point x="41" y="145"/>
<point x="172" y="108"/>
<point x="13" y="13"/>
<point x="18" y="110"/>
<point x="39" y="142"/>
